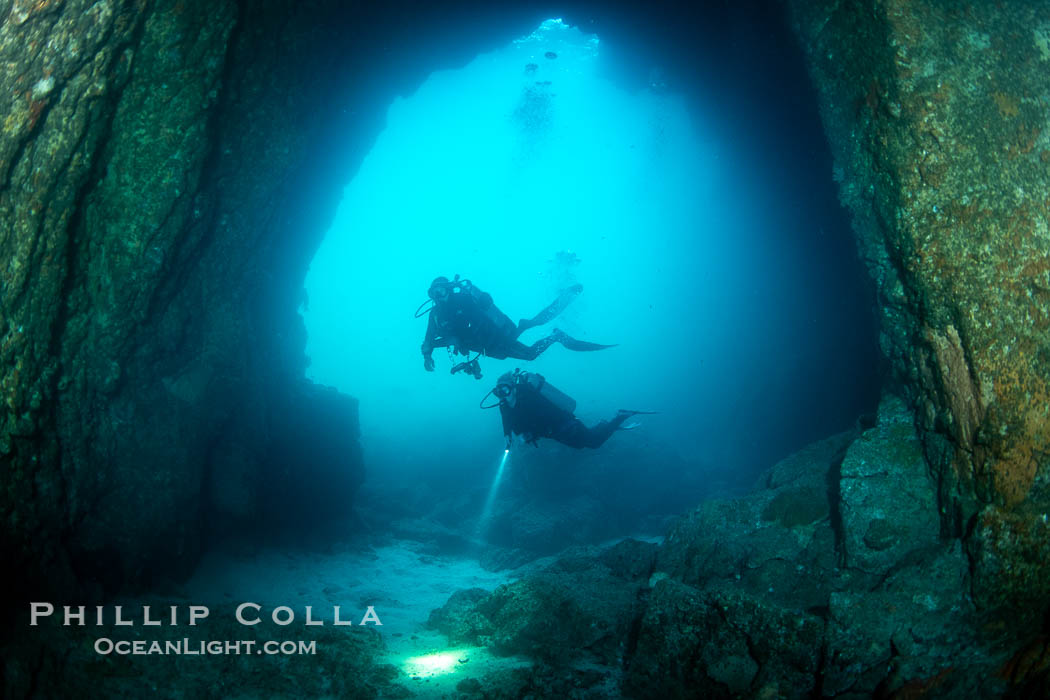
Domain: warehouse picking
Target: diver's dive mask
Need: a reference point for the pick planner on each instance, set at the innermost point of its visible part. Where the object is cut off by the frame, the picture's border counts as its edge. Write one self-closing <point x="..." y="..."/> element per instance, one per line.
<point x="441" y="288"/>
<point x="504" y="391"/>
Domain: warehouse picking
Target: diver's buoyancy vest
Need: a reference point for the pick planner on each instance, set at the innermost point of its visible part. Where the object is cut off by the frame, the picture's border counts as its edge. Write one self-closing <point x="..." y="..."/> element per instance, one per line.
<point x="473" y="318"/>
<point x="552" y="395"/>
<point x="499" y="320"/>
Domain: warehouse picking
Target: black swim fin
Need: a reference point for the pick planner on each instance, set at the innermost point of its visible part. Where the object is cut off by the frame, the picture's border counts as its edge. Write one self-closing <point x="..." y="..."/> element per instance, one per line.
<point x="622" y="416"/>
<point x="578" y="345"/>
<point x="552" y="311"/>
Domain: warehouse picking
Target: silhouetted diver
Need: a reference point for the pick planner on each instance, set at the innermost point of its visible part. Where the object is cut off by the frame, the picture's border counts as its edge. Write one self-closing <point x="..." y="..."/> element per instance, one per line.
<point x="533" y="408"/>
<point x="464" y="319"/>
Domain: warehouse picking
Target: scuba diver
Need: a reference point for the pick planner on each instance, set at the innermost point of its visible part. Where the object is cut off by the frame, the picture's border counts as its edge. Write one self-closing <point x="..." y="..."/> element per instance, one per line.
<point x="464" y="319"/>
<point x="534" y="409"/>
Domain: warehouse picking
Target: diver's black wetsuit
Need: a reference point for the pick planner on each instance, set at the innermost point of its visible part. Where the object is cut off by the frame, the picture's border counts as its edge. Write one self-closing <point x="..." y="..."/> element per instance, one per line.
<point x="468" y="321"/>
<point x="534" y="417"/>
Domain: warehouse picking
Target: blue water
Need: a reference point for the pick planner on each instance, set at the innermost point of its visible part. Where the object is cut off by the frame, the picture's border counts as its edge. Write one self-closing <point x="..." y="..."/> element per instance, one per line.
<point x="528" y="179"/>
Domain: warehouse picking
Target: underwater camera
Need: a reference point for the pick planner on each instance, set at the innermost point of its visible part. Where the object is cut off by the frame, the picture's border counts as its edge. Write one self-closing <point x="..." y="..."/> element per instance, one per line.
<point x="471" y="367"/>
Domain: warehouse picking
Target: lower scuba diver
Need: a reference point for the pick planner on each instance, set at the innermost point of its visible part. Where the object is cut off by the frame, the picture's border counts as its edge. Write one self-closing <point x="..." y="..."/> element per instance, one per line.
<point x="464" y="319"/>
<point x="532" y="408"/>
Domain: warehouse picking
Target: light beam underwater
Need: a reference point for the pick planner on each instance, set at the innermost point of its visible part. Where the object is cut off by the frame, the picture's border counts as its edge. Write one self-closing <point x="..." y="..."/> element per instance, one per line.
<point x="486" y="512"/>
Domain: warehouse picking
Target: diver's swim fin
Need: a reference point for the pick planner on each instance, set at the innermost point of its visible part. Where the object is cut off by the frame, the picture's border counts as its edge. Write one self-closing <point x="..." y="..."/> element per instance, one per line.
<point x="552" y="311"/>
<point x="578" y="345"/>
<point x="638" y="413"/>
<point x="630" y="426"/>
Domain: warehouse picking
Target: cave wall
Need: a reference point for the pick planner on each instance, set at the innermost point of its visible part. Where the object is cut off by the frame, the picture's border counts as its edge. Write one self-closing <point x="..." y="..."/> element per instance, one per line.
<point x="151" y="356"/>
<point x="167" y="170"/>
<point x="937" y="115"/>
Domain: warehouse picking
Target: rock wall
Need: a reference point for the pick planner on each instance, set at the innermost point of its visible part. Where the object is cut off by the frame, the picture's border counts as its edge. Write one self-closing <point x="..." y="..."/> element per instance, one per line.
<point x="937" y="113"/>
<point x="151" y="225"/>
<point x="812" y="585"/>
<point x="167" y="169"/>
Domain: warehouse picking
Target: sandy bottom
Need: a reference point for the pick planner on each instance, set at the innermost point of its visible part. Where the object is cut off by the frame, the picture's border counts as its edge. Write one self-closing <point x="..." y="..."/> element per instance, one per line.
<point x="400" y="581"/>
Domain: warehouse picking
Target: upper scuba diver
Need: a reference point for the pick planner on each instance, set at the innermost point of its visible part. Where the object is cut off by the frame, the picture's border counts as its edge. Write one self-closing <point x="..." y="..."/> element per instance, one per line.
<point x="534" y="409"/>
<point x="464" y="319"/>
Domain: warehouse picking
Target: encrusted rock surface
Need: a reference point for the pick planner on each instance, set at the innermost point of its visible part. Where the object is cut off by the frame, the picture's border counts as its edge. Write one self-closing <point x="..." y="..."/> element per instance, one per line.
<point x="149" y="340"/>
<point x="761" y="596"/>
<point x="723" y="643"/>
<point x="888" y="499"/>
<point x="937" y="113"/>
<point x="580" y="607"/>
<point x="777" y="541"/>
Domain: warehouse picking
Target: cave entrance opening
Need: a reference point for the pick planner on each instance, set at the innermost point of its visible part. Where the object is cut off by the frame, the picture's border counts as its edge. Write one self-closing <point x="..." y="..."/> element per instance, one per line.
<point x="528" y="170"/>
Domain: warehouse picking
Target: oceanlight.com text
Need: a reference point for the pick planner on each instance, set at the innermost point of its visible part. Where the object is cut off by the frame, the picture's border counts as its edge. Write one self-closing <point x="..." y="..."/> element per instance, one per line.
<point x="188" y="647"/>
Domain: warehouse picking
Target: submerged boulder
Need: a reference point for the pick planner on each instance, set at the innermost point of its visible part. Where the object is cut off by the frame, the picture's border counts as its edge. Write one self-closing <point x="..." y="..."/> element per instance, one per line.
<point x="937" y="115"/>
<point x="783" y="594"/>
<point x="458" y="620"/>
<point x="779" y="540"/>
<point x="721" y="642"/>
<point x="918" y="623"/>
<point x="888" y="500"/>
<point x="579" y="607"/>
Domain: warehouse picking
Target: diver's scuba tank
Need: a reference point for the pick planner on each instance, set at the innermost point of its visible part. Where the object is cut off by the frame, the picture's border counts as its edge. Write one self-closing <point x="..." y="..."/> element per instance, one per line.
<point x="499" y="320"/>
<point x="552" y="394"/>
<point x="511" y="383"/>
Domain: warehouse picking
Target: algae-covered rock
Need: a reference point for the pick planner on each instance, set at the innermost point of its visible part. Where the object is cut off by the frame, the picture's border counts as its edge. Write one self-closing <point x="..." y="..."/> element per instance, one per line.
<point x="630" y="559"/>
<point x="542" y="680"/>
<point x="556" y="616"/>
<point x="149" y="340"/>
<point x="918" y="624"/>
<point x="753" y="597"/>
<point x="778" y="540"/>
<point x="722" y="643"/>
<point x="459" y="621"/>
<point x="576" y="607"/>
<point x="888" y="501"/>
<point x="937" y="116"/>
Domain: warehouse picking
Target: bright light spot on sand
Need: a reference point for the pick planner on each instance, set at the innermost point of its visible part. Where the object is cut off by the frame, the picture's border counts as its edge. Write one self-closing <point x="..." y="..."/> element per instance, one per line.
<point x="432" y="664"/>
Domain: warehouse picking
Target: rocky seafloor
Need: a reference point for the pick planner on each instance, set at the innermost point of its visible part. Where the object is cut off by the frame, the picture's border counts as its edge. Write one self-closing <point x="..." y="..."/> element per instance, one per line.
<point x="829" y="579"/>
<point x="825" y="580"/>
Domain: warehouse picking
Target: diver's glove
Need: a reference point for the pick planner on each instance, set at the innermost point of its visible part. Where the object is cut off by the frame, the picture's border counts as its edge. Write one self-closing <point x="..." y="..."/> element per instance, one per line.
<point x="428" y="363"/>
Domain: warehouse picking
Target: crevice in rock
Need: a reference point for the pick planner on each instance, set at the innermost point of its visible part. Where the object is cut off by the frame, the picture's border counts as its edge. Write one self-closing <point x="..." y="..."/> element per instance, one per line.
<point x="634" y="631"/>
<point x="834" y="491"/>
<point x="822" y="661"/>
